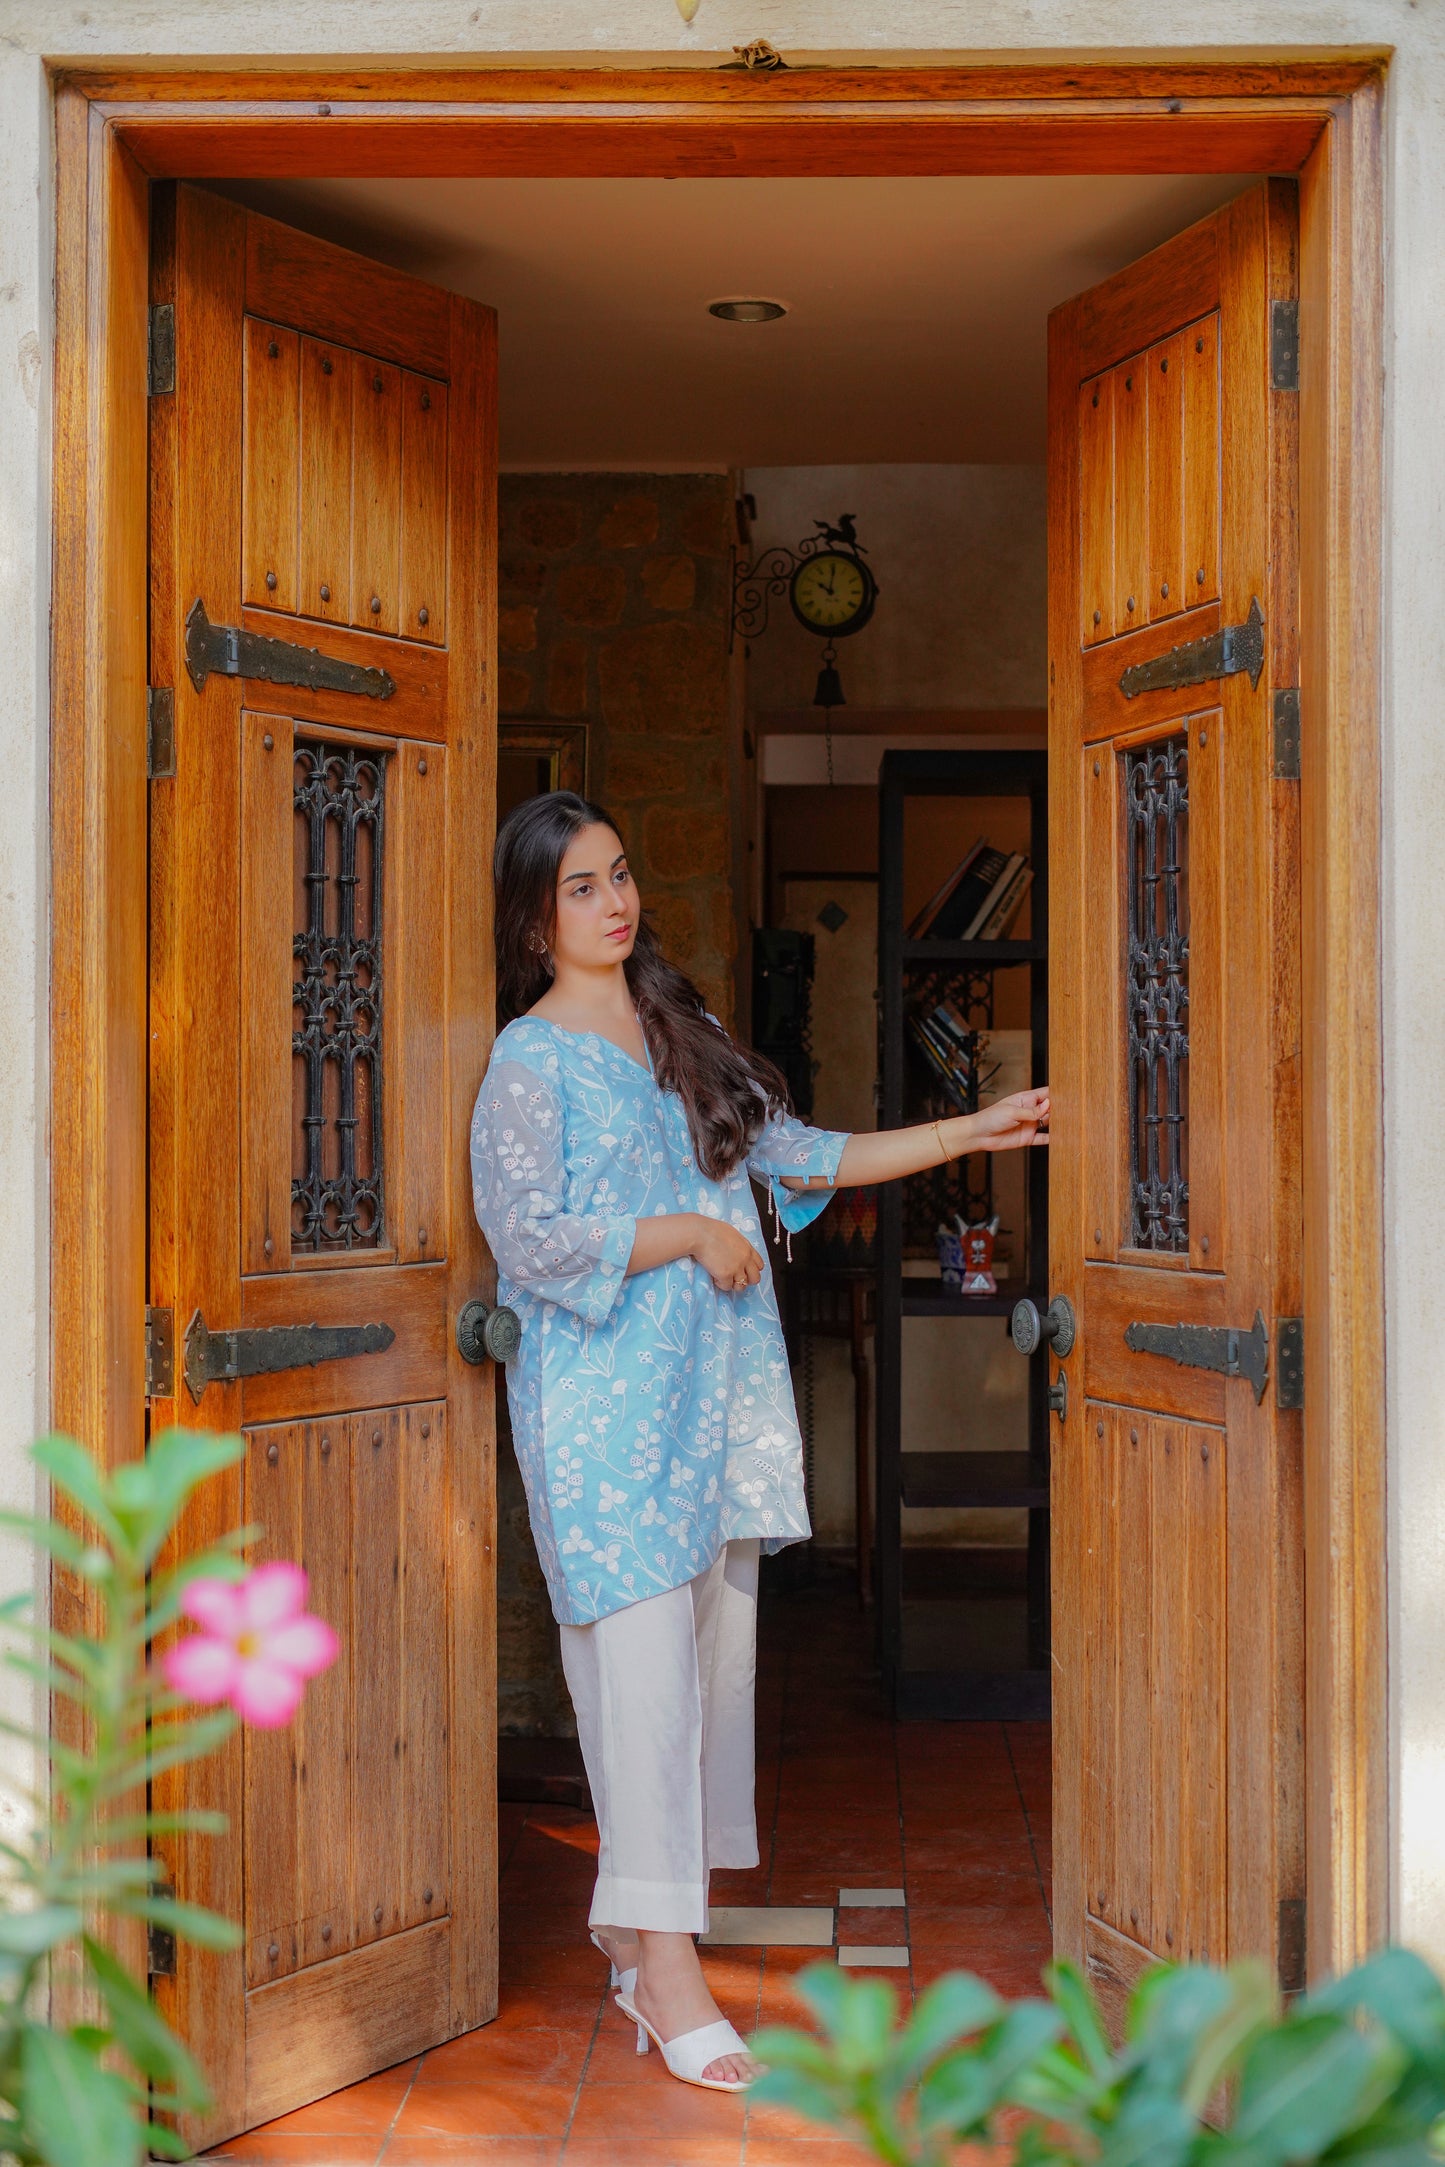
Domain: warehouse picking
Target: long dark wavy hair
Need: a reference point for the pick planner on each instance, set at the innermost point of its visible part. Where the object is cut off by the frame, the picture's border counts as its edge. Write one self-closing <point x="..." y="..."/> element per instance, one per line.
<point x="727" y="1090"/>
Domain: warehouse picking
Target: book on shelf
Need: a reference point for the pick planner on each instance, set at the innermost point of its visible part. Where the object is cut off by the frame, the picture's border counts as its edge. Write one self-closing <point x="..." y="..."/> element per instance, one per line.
<point x="964" y="902"/>
<point x="948" y="1050"/>
<point x="973" y="931"/>
<point x="1010" y="902"/>
<point x="920" y="922"/>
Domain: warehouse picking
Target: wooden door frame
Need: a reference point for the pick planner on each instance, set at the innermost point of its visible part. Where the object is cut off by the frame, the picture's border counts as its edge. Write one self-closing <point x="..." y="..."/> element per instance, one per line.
<point x="1318" y="116"/>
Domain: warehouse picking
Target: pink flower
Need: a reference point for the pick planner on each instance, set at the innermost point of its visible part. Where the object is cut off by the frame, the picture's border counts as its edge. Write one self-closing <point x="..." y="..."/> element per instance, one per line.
<point x="257" y="1645"/>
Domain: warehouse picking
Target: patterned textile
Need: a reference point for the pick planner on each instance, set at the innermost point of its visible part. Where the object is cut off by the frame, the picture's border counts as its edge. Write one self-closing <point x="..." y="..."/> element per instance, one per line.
<point x="653" y="1416"/>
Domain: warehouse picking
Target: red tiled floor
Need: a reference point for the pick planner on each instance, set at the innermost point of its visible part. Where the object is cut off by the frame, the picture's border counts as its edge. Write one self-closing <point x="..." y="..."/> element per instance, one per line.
<point x="955" y="1814"/>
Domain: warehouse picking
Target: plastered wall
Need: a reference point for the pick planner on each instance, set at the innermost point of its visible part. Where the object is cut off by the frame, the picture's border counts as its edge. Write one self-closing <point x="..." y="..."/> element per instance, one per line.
<point x="1414" y="648"/>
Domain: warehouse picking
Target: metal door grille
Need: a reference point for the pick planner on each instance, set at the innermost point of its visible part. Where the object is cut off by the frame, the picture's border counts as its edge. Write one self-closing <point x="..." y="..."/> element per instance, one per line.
<point x="336" y="1187"/>
<point x="1156" y="813"/>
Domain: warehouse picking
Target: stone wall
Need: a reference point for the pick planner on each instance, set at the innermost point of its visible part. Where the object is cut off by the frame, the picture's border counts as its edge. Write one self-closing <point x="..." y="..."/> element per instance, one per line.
<point x="614" y="611"/>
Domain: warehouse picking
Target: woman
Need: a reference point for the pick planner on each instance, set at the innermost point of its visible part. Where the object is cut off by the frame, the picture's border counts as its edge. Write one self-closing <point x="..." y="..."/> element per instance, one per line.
<point x="612" y="1144"/>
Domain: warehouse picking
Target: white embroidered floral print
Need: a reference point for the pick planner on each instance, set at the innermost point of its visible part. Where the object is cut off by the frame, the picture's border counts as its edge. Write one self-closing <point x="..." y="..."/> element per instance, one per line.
<point x="653" y="1417"/>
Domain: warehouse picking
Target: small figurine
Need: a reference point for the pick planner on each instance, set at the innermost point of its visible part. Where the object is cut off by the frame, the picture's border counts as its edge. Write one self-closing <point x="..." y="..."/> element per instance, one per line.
<point x="976" y="1247"/>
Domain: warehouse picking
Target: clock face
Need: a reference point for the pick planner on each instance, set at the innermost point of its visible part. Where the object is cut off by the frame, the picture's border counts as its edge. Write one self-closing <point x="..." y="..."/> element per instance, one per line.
<point x="832" y="593"/>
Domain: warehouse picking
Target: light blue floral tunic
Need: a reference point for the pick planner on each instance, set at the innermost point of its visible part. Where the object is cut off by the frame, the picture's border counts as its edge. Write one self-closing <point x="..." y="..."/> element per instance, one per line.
<point x="653" y="1416"/>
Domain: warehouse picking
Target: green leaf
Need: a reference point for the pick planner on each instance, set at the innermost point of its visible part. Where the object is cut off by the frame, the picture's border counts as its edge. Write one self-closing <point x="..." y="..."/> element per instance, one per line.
<point x="964" y="2088"/>
<point x="143" y="2032"/>
<point x="949" y="2010"/>
<point x="804" y="2095"/>
<point x="152" y="1492"/>
<point x="1309" y="2082"/>
<point x="207" y="1929"/>
<point x="167" y="2143"/>
<point x="865" y="2031"/>
<point x="71" y="1468"/>
<point x="32" y="1933"/>
<point x="78" y="2114"/>
<point x="1151" y="2131"/>
<point x="1401" y="1992"/>
<point x="1075" y="2002"/>
<point x="824" y="1989"/>
<point x="783" y="2048"/>
<point x="190" y="1821"/>
<point x="62" y="1542"/>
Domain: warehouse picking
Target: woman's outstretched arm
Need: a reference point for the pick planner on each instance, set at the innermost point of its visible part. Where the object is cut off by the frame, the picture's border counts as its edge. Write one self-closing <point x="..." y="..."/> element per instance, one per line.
<point x="888" y="1154"/>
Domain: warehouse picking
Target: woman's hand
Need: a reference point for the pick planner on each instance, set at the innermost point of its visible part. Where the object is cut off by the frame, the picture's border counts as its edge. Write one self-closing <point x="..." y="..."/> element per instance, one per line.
<point x="728" y="1257"/>
<point x="1007" y="1123"/>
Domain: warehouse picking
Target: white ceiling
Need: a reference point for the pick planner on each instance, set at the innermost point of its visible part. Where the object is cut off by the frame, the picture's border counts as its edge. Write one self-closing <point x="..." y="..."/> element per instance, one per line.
<point x="917" y="308"/>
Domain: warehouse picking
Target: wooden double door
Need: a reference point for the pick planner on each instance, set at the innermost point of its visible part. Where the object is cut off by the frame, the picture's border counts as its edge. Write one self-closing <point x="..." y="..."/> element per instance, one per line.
<point x="323" y="745"/>
<point x="322" y="478"/>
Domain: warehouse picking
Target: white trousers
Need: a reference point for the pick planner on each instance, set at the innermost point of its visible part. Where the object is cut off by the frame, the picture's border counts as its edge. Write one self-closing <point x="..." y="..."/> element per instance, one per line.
<point x="664" y="1697"/>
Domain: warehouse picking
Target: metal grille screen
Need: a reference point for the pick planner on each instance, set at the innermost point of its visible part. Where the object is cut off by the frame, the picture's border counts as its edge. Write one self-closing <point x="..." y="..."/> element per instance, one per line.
<point x="340" y="813"/>
<point x="1156" y="815"/>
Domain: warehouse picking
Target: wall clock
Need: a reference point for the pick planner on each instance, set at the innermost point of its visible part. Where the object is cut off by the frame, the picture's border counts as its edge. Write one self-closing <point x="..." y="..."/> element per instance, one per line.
<point x="831" y="590"/>
<point x="833" y="594"/>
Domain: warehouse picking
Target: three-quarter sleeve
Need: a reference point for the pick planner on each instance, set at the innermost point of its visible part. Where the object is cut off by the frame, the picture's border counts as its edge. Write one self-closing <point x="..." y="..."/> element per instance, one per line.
<point x="789" y="1146"/>
<point x="519" y="1188"/>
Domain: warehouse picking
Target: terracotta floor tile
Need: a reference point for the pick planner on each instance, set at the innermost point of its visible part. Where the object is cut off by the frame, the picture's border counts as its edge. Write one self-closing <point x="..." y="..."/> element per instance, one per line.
<point x="514" y="2056"/>
<point x="687" y="2151"/>
<point x="500" y="2107"/>
<point x="292" y="2148"/>
<point x="662" y="2111"/>
<point x="862" y="1925"/>
<point x="547" y="2006"/>
<point x="817" y="2151"/>
<point x="473" y="2152"/>
<point x="574" y="1964"/>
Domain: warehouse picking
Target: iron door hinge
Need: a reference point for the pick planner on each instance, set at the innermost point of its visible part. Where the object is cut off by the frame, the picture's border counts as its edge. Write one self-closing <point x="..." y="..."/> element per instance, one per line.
<point x="1292" y="1948"/>
<point x="1220" y="1347"/>
<point x="161" y="1945"/>
<point x="160" y="732"/>
<point x="265" y="1350"/>
<point x="1289" y="1354"/>
<point x="1286" y="734"/>
<point x="1232" y="651"/>
<point x="161" y="348"/>
<point x="232" y="651"/>
<point x="160" y="1354"/>
<point x="1284" y="346"/>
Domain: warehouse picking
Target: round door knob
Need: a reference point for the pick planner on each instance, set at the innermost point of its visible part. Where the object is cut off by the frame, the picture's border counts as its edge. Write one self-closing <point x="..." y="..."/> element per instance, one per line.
<point x="488" y="1335"/>
<point x="1029" y="1330"/>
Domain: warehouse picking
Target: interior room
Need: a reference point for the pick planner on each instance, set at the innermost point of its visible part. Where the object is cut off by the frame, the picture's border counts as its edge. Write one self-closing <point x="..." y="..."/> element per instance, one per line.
<point x="807" y="804"/>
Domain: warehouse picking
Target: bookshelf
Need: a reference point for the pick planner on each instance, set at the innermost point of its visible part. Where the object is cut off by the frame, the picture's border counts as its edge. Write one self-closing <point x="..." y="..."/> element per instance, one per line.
<point x="963" y="1633"/>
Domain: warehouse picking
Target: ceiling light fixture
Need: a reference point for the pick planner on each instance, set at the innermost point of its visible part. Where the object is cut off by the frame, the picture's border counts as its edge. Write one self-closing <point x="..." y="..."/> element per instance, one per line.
<point x="747" y="312"/>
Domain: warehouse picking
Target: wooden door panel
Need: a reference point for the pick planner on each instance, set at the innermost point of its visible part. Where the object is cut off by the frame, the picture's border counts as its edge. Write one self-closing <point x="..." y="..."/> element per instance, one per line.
<point x="375" y="494"/>
<point x="271" y="481"/>
<point x="1178" y="1675"/>
<point x="324" y="479"/>
<point x="371" y="2008"/>
<point x="321" y="1011"/>
<point x="423" y="508"/>
<point x="267" y="891"/>
<point x="418" y="1112"/>
<point x="1152" y="1863"/>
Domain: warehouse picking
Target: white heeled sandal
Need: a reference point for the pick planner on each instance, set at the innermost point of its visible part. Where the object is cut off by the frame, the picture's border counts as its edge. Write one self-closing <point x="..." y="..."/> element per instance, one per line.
<point x="627" y="1980"/>
<point x="691" y="2053"/>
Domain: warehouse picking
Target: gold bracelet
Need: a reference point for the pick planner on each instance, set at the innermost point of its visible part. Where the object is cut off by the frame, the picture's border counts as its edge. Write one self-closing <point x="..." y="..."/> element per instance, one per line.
<point x="938" y="1133"/>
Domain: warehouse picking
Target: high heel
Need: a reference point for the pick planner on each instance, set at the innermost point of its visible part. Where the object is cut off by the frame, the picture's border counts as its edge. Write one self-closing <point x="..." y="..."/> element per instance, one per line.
<point x="627" y="1980"/>
<point x="691" y="2053"/>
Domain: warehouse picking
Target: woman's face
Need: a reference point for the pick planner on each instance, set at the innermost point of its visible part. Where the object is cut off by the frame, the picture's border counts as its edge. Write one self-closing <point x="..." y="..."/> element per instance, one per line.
<point x="597" y="902"/>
